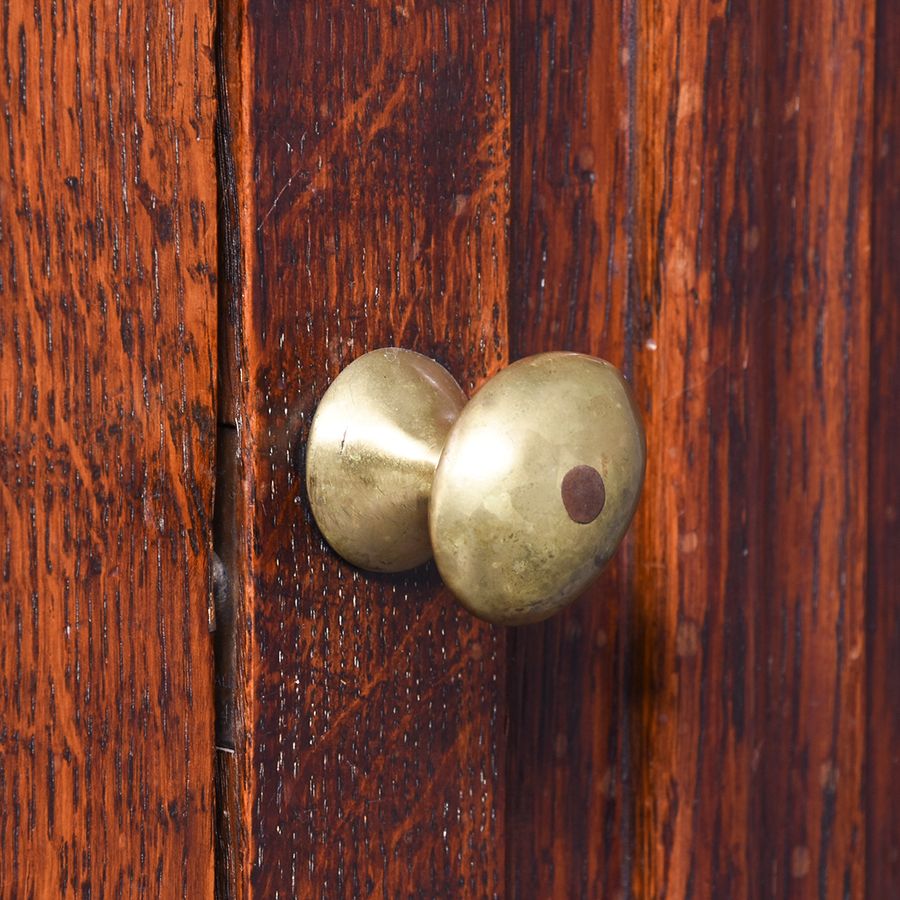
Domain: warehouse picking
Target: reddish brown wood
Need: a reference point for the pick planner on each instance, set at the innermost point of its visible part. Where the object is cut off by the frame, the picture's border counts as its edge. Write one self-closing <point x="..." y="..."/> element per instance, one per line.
<point x="753" y="260"/>
<point x="371" y="169"/>
<point x="704" y="193"/>
<point x="107" y="430"/>
<point x="569" y="802"/>
<point x="883" y="618"/>
<point x="700" y="354"/>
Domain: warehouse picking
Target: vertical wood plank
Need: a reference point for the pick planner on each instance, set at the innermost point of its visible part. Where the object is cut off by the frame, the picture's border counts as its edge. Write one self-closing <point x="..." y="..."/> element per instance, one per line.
<point x="818" y="168"/>
<point x="698" y="547"/>
<point x="883" y="618"/>
<point x="569" y="796"/>
<point x="372" y="178"/>
<point x="107" y="437"/>
<point x="753" y="317"/>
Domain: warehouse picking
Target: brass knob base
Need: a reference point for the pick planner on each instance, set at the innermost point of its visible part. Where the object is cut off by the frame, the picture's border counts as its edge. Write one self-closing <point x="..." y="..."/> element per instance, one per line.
<point x="374" y="444"/>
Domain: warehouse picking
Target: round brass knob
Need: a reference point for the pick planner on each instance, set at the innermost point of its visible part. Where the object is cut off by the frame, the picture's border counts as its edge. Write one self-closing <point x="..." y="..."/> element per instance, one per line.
<point x="522" y="494"/>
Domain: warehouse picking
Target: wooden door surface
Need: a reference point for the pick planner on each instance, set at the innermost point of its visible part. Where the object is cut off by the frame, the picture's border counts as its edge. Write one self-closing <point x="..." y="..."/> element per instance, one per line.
<point x="704" y="193"/>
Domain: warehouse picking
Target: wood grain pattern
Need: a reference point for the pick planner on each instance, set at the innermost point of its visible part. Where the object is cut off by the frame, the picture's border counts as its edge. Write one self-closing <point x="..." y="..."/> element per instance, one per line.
<point x="107" y="425"/>
<point x="372" y="179"/>
<point x="753" y="260"/>
<point x="699" y="355"/>
<point x="705" y="193"/>
<point x="820" y="169"/>
<point x="569" y="798"/>
<point x="812" y="831"/>
<point x="883" y="615"/>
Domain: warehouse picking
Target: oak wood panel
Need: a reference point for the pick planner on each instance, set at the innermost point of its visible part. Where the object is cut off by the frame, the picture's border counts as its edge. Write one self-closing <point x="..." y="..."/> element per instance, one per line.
<point x="883" y="615"/>
<point x="569" y="797"/>
<point x="753" y="318"/>
<point x="107" y="431"/>
<point x="371" y="167"/>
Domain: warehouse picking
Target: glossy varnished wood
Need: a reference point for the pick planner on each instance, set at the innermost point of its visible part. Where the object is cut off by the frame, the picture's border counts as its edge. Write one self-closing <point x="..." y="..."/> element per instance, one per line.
<point x="752" y="335"/>
<point x="370" y="152"/>
<point x="682" y="202"/>
<point x="107" y="435"/>
<point x="704" y="193"/>
<point x="698" y="321"/>
<point x="811" y="622"/>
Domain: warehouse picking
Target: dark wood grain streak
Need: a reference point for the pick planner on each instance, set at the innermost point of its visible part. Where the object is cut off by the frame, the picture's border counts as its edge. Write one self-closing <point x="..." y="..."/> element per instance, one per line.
<point x="569" y="794"/>
<point x="107" y="433"/>
<point x="883" y="618"/>
<point x="372" y="178"/>
<point x="232" y="816"/>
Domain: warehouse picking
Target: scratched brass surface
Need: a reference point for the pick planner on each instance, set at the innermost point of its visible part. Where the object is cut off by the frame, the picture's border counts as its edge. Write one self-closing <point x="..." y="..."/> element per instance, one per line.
<point x="374" y="443"/>
<point x="504" y="540"/>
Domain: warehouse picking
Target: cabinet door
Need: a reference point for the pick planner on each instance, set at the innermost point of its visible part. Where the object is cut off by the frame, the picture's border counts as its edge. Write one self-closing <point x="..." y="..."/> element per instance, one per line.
<point x="687" y="190"/>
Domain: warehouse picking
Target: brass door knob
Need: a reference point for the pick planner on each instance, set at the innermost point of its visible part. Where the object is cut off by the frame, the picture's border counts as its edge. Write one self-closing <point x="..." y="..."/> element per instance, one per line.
<point x="522" y="495"/>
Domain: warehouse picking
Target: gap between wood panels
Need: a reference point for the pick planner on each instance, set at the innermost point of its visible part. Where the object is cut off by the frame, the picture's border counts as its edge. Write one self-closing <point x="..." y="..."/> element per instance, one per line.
<point x="226" y="549"/>
<point x="228" y="505"/>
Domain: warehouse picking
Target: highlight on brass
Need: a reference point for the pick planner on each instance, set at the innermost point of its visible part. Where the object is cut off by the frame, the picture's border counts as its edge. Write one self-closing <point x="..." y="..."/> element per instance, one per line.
<point x="522" y="494"/>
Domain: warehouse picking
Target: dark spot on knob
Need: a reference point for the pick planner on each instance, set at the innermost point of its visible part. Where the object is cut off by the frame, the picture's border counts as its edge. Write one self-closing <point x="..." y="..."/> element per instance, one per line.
<point x="583" y="494"/>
